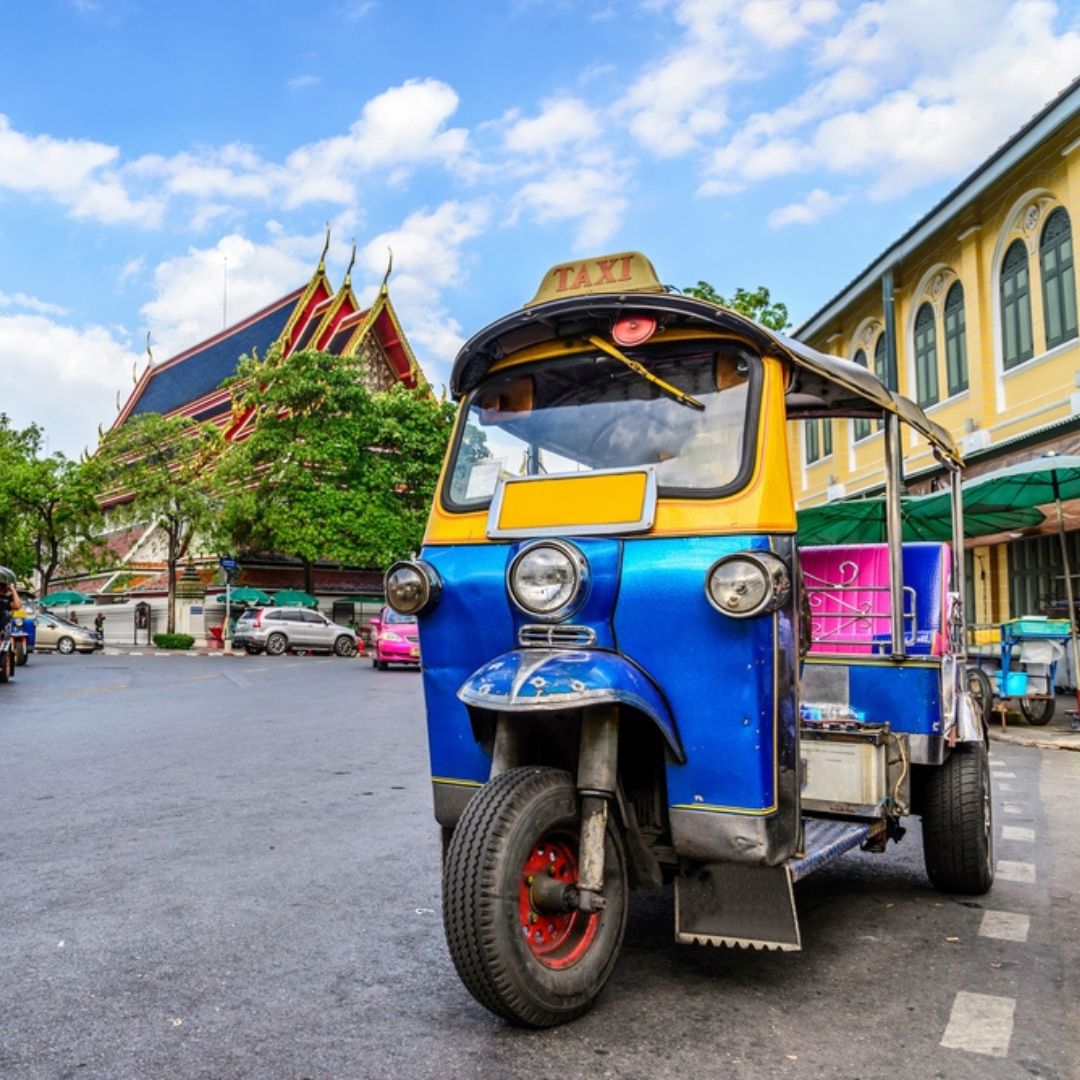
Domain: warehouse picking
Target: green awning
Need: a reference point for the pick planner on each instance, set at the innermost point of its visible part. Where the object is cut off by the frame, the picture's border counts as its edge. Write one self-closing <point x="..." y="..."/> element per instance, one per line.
<point x="248" y="597"/>
<point x="295" y="598"/>
<point x="65" y="598"/>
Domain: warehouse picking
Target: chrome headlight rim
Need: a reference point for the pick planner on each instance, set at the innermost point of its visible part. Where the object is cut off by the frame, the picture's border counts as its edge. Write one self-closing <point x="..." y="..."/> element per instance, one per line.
<point x="775" y="573"/>
<point x="580" y="591"/>
<point x="429" y="586"/>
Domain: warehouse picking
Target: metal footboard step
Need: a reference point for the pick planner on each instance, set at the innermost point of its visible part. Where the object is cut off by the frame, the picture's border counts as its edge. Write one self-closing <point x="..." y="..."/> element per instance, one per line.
<point x="825" y="841"/>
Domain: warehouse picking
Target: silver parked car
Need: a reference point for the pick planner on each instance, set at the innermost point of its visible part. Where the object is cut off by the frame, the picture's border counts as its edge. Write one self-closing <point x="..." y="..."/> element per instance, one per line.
<point x="53" y="632"/>
<point x="277" y="630"/>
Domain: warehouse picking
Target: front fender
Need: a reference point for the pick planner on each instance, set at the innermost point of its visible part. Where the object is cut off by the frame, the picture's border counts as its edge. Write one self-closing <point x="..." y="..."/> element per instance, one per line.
<point x="531" y="680"/>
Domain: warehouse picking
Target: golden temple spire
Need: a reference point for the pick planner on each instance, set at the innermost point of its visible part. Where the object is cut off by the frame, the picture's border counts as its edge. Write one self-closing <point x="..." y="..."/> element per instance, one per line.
<point x="326" y="248"/>
<point x="352" y="262"/>
<point x="389" y="267"/>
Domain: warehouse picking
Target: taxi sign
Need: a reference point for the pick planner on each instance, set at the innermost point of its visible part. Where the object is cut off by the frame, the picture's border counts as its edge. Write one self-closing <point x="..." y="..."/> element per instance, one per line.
<point x="627" y="271"/>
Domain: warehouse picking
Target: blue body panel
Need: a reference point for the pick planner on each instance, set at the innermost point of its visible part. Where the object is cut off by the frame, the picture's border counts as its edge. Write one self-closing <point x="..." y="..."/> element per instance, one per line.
<point x="707" y="680"/>
<point x="902" y="695"/>
<point x="717" y="672"/>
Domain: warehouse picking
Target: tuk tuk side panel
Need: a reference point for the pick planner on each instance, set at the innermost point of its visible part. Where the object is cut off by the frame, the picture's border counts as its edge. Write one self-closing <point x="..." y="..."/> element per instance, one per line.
<point x="906" y="696"/>
<point x="469" y="626"/>
<point x="730" y="684"/>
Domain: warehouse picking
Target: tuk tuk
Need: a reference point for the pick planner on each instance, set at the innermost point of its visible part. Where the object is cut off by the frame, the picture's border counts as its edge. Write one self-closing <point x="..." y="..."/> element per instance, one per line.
<point x="633" y="672"/>
<point x="13" y="638"/>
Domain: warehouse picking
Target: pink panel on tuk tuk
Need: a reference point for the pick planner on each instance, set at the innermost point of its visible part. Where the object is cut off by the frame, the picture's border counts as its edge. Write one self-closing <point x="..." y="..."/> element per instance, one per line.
<point x="848" y="589"/>
<point x="849" y="600"/>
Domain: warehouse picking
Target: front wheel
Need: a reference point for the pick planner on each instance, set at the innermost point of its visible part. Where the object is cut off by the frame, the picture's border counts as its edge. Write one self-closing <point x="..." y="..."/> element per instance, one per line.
<point x="980" y="688"/>
<point x="958" y="822"/>
<point x="65" y="645"/>
<point x="1037" y="711"/>
<point x="21" y="654"/>
<point x="532" y="967"/>
<point x="276" y="644"/>
<point x="344" y="646"/>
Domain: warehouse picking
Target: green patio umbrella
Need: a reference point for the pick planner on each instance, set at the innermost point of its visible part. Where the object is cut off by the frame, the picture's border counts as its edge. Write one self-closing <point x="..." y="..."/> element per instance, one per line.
<point x="250" y="597"/>
<point x="65" y="598"/>
<point x="925" y="517"/>
<point x="1052" y="478"/>
<point x="295" y="598"/>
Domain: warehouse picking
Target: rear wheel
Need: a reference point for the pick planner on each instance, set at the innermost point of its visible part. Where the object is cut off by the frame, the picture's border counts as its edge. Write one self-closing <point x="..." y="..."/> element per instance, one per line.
<point x="21" y="654"/>
<point x="531" y="966"/>
<point x="1037" y="711"/>
<point x="276" y="644"/>
<point x="958" y="824"/>
<point x="977" y="684"/>
<point x="6" y="666"/>
<point x="344" y="646"/>
<point x="65" y="645"/>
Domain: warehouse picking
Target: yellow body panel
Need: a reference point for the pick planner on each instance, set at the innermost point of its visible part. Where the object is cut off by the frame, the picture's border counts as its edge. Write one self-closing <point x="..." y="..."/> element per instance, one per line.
<point x="555" y="501"/>
<point x="765" y="505"/>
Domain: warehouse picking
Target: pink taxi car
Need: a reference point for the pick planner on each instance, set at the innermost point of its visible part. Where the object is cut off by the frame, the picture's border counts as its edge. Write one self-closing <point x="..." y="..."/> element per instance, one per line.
<point x="394" y="640"/>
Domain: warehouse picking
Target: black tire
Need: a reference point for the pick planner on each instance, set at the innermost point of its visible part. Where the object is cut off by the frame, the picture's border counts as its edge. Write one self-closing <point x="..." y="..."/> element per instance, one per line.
<point x="252" y="650"/>
<point x="6" y="667"/>
<point x="276" y="644"/>
<point x="65" y="645"/>
<point x="1037" y="711"/>
<point x="22" y="654"/>
<point x="977" y="683"/>
<point x="344" y="646"/>
<point x="958" y="823"/>
<point x="520" y="816"/>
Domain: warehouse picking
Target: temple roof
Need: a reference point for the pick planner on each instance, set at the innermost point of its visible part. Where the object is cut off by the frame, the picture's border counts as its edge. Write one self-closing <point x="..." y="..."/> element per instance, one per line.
<point x="196" y="372"/>
<point x="310" y="316"/>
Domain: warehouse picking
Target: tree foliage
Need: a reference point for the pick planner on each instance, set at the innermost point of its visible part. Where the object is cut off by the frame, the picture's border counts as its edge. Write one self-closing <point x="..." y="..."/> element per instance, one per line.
<point x="160" y="469"/>
<point x="330" y="471"/>
<point x="47" y="507"/>
<point x="757" y="304"/>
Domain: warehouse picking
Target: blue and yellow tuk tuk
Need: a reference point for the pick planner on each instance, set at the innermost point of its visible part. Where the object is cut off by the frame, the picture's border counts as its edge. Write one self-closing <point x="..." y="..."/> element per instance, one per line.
<point x="633" y="672"/>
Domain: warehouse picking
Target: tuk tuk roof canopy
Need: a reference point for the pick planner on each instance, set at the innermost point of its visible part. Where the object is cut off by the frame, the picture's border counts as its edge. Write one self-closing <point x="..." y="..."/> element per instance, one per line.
<point x="823" y="386"/>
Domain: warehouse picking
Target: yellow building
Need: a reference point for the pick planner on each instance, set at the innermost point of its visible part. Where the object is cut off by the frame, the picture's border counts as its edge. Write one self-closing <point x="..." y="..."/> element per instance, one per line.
<point x="973" y="314"/>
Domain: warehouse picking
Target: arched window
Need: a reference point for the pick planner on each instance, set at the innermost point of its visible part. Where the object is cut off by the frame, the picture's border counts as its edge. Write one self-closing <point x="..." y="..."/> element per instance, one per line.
<point x="1058" y="279"/>
<point x="1015" y="306"/>
<point x="881" y="362"/>
<point x="926" y="385"/>
<point x="956" y="371"/>
<point x="862" y="425"/>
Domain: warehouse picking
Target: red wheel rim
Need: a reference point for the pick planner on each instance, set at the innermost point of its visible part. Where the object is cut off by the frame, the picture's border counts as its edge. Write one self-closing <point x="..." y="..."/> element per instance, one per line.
<point x="561" y="939"/>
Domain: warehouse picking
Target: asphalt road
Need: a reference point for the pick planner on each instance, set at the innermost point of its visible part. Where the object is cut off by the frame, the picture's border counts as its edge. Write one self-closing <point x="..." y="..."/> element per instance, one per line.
<point x="227" y="867"/>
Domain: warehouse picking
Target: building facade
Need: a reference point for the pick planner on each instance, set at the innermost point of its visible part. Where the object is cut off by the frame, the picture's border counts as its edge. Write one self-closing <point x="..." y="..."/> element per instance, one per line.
<point x="972" y="313"/>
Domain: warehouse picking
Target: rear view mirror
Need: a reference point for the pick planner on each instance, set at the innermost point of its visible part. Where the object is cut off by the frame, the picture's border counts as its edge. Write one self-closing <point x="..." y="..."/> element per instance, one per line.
<point x="730" y="369"/>
<point x="514" y="399"/>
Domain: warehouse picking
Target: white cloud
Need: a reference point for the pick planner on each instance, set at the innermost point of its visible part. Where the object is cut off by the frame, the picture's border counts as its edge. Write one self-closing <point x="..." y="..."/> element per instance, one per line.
<point x="429" y="260"/>
<point x="189" y="305"/>
<point x="63" y="377"/>
<point x="24" y="302"/>
<point x="400" y="128"/>
<point x="561" y="121"/>
<point x="817" y="205"/>
<point x="955" y="95"/>
<point x="301" y="82"/>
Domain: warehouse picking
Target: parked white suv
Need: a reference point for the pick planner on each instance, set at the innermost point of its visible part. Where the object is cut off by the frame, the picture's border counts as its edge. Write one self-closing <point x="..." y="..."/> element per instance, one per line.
<point x="277" y="630"/>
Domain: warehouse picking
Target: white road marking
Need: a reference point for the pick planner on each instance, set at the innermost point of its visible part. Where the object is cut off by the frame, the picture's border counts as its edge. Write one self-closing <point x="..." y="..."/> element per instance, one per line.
<point x="1003" y="787"/>
<point x="996" y="764"/>
<point x="1018" y="832"/>
<point x="1007" y="775"/>
<point x="1005" y="925"/>
<point x="980" y="1024"/>
<point x="1015" y="871"/>
<point x="1012" y="808"/>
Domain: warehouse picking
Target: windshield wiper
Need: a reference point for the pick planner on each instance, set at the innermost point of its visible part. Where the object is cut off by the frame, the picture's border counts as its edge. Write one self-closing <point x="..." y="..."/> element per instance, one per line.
<point x="645" y="373"/>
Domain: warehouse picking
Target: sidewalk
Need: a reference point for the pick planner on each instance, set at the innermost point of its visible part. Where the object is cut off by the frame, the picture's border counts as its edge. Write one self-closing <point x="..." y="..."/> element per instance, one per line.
<point x="1056" y="735"/>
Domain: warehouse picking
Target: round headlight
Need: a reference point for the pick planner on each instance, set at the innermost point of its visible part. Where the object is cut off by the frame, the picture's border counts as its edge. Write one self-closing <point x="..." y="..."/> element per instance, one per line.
<point x="412" y="587"/>
<point x="747" y="584"/>
<point x="547" y="578"/>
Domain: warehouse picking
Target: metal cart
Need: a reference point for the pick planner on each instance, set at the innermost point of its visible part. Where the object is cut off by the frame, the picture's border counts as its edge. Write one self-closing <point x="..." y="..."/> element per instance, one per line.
<point x="1041" y="643"/>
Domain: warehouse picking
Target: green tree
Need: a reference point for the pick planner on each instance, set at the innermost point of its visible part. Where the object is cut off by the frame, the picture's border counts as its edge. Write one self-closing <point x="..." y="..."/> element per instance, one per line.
<point x="47" y="507"/>
<point x="756" y="305"/>
<point x="160" y="469"/>
<point x="330" y="470"/>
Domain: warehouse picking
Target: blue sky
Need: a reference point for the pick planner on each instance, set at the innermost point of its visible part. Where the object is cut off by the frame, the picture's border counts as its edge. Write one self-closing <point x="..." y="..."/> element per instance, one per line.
<point x="775" y="142"/>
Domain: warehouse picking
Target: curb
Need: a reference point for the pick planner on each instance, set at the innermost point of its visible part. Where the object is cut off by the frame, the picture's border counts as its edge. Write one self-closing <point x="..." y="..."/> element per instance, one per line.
<point x="215" y="653"/>
<point x="1067" y="741"/>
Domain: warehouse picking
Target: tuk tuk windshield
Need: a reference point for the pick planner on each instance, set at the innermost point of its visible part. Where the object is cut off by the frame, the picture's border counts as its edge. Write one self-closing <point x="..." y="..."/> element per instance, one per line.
<point x="591" y="412"/>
